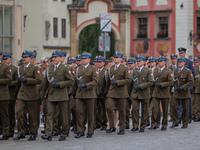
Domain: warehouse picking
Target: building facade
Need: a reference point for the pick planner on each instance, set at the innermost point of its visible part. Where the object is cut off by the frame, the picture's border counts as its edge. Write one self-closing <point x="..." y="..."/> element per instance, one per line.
<point x="11" y="28"/>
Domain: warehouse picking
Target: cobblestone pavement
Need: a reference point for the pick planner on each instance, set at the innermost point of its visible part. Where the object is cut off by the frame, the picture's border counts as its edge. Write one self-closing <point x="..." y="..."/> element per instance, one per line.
<point x="172" y="139"/>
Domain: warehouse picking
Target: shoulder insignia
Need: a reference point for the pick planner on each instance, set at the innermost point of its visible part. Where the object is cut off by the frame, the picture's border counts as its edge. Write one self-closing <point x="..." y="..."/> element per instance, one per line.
<point x="171" y="75"/>
<point x="152" y="74"/>
<point x="69" y="71"/>
<point x="10" y="70"/>
<point x="73" y="72"/>
<point x="129" y="71"/>
<point x="97" y="72"/>
<point x="191" y="75"/>
<point x="38" y="71"/>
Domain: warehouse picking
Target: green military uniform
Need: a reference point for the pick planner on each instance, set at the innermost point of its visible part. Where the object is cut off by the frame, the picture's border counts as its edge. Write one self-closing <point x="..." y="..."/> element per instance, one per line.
<point x="144" y="79"/>
<point x="28" y="98"/>
<point x="117" y="94"/>
<point x="184" y="79"/>
<point x="57" y="96"/>
<point x="100" y="97"/>
<point x="12" y="92"/>
<point x="161" y="93"/>
<point x="196" y="97"/>
<point x="5" y="79"/>
<point x="85" y="97"/>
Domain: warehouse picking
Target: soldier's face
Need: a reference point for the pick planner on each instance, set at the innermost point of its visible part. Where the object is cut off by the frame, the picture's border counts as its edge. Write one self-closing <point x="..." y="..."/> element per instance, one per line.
<point x="78" y="62"/>
<point x="57" y="60"/>
<point x="51" y="63"/>
<point x="124" y="63"/>
<point x="96" y="64"/>
<point x="101" y="64"/>
<point x="0" y="57"/>
<point x="85" y="61"/>
<point x="173" y="61"/>
<point x="196" y="64"/>
<point x="140" y="63"/>
<point x="152" y="64"/>
<point x="161" y="64"/>
<point x="8" y="61"/>
<point x="181" y="64"/>
<point x="26" y="60"/>
<point x="33" y="60"/>
<point x="63" y="59"/>
<point x="131" y="66"/>
<point x="182" y="55"/>
<point x="117" y="60"/>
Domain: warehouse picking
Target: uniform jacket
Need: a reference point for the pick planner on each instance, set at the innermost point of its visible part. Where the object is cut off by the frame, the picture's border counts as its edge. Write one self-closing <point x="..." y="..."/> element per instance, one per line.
<point x="183" y="79"/>
<point x="145" y="80"/>
<point x="13" y="85"/>
<point x="123" y="77"/>
<point x="27" y="90"/>
<point x="164" y="77"/>
<point x="189" y="65"/>
<point x="64" y="77"/>
<point x="101" y="82"/>
<point x="197" y="80"/>
<point x="5" y="79"/>
<point x="89" y="77"/>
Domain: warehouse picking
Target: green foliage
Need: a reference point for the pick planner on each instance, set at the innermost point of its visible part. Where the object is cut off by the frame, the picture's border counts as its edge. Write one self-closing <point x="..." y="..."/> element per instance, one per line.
<point x="89" y="38"/>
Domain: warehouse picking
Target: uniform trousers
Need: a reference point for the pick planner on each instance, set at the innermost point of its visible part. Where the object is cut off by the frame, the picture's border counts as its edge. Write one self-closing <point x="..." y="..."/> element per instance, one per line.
<point x="155" y="108"/>
<point x="135" y="110"/>
<point x="197" y="97"/>
<point x="12" y="116"/>
<point x="82" y="106"/>
<point x="102" y="113"/>
<point x="31" y="106"/>
<point x="185" y="114"/>
<point x="73" y="111"/>
<point x="128" y="107"/>
<point x="51" y="110"/>
<point x="4" y="111"/>
<point x="119" y="104"/>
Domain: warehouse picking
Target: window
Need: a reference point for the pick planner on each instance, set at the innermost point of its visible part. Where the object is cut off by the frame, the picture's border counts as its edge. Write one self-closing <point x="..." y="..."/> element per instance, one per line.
<point x="163" y="27"/>
<point x="55" y="27"/>
<point x="6" y="29"/>
<point x="198" y="27"/>
<point x="142" y="28"/>
<point x="63" y="28"/>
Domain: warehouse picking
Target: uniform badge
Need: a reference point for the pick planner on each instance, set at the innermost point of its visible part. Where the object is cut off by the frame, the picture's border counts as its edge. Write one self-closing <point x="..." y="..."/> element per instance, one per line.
<point x="38" y="71"/>
<point x="191" y="75"/>
<point x="129" y="71"/>
<point x="73" y="72"/>
<point x="151" y="74"/>
<point x="171" y="75"/>
<point x="69" y="72"/>
<point x="10" y="70"/>
<point x="97" y="72"/>
<point x="43" y="72"/>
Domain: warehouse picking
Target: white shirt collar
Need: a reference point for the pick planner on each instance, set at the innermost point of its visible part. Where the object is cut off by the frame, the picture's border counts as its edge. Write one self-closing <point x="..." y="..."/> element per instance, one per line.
<point x="182" y="68"/>
<point x="100" y="69"/>
<point x="27" y="65"/>
<point x="162" y="68"/>
<point x="86" y="66"/>
<point x="117" y="65"/>
<point x="141" y="68"/>
<point x="57" y="65"/>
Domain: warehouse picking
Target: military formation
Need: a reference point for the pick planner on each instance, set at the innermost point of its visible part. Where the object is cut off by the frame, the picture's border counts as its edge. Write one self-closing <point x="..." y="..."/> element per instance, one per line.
<point x="81" y="93"/>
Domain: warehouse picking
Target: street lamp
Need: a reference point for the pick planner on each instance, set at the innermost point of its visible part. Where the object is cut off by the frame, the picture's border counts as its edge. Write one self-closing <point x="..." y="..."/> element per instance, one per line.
<point x="24" y="21"/>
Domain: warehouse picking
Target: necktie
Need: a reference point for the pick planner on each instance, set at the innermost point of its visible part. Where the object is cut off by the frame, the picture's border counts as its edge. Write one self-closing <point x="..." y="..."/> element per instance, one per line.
<point x="115" y="67"/>
<point x="55" y="68"/>
<point x="83" y="68"/>
<point x="159" y="70"/>
<point x="138" y="70"/>
<point x="179" y="70"/>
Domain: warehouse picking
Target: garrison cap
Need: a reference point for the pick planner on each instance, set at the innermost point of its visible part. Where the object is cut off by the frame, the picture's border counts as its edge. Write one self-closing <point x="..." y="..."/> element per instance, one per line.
<point x="131" y="61"/>
<point x="180" y="60"/>
<point x="26" y="54"/>
<point x="86" y="55"/>
<point x="101" y="58"/>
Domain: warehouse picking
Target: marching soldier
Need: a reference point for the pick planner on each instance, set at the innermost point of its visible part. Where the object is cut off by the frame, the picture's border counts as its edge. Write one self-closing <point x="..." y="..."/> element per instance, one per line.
<point x="12" y="92"/>
<point x="118" y="78"/>
<point x="86" y="80"/>
<point x="172" y="67"/>
<point x="58" y="77"/>
<point x="29" y="76"/>
<point x="142" y="81"/>
<point x="5" y="79"/>
<point x="183" y="80"/>
<point x="163" y="81"/>
<point x="100" y="92"/>
<point x="131" y="63"/>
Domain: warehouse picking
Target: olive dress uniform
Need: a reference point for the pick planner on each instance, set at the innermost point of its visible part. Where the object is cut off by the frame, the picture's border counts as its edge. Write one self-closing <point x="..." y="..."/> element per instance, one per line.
<point x="184" y="79"/>
<point x="28" y="98"/>
<point x="85" y="98"/>
<point x="144" y="80"/>
<point x="12" y="92"/>
<point x="5" y="79"/>
<point x="117" y="94"/>
<point x="57" y="95"/>
<point x="161" y="93"/>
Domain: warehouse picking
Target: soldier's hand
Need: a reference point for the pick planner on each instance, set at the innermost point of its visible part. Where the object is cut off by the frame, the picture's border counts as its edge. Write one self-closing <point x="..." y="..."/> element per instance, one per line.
<point x="82" y="86"/>
<point x="55" y="85"/>
<point x="157" y="84"/>
<point x="22" y="79"/>
<point x="137" y="87"/>
<point x="113" y="82"/>
<point x="180" y="89"/>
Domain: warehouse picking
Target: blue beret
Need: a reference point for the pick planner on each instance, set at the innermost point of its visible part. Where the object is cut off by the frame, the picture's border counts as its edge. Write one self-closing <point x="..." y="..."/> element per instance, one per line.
<point x="118" y="55"/>
<point x="26" y="54"/>
<point x="78" y="58"/>
<point x="33" y="55"/>
<point x="152" y="60"/>
<point x="64" y="54"/>
<point x="101" y="59"/>
<point x="1" y="53"/>
<point x="162" y="59"/>
<point x="71" y="61"/>
<point x="139" y="58"/>
<point x="6" y="56"/>
<point x="56" y="54"/>
<point x="196" y="59"/>
<point x="130" y="61"/>
<point x="174" y="56"/>
<point x="182" y="50"/>
<point x="180" y="60"/>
